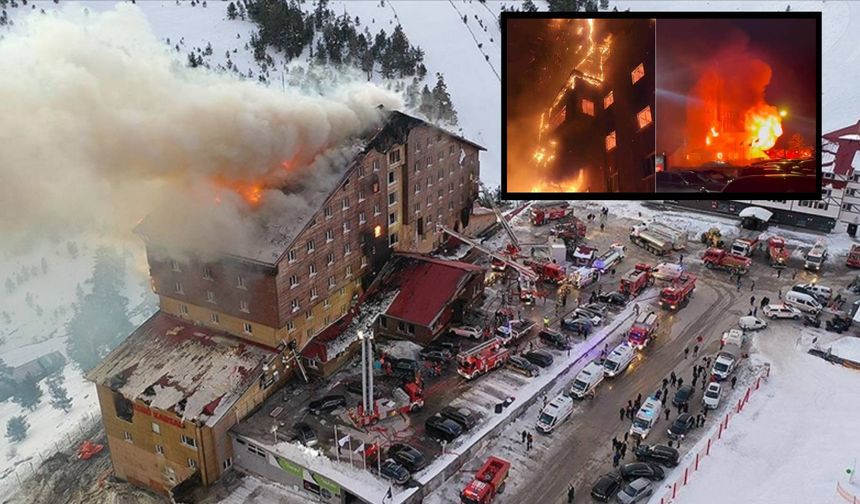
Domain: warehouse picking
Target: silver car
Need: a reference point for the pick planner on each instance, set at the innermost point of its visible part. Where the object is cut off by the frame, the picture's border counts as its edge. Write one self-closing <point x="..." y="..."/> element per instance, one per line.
<point x="636" y="491"/>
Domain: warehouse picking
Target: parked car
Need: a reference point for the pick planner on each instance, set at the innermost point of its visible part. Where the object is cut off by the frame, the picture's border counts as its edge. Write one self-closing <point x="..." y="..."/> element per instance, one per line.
<point x="716" y="176"/>
<point x="821" y="293"/>
<point x="354" y="387"/>
<point x="659" y="454"/>
<point x="711" y="397"/>
<point x="435" y="355"/>
<point x="463" y="416"/>
<point x="403" y="367"/>
<point x="408" y="456"/>
<point x="467" y="331"/>
<point x="452" y="347"/>
<point x="542" y="359"/>
<point x="523" y="366"/>
<point x="838" y="324"/>
<point x="612" y="298"/>
<point x="577" y="325"/>
<point x="554" y="339"/>
<point x="683" y="395"/>
<point x="593" y="317"/>
<point x="326" y="404"/>
<point x="598" y="308"/>
<point x="750" y="323"/>
<point x="681" y="426"/>
<point x="304" y="434"/>
<point x="442" y="429"/>
<point x="695" y="179"/>
<point x="606" y="487"/>
<point x="775" y="311"/>
<point x="635" y="470"/>
<point x="394" y="471"/>
<point x="636" y="491"/>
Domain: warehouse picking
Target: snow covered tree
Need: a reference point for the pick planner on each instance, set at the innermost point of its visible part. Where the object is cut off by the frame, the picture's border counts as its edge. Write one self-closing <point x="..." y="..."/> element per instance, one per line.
<point x="444" y="106"/>
<point x="100" y="319"/>
<point x="59" y="396"/>
<point x="604" y="4"/>
<point x="5" y="372"/>
<point x="428" y="105"/>
<point x="529" y="6"/>
<point x="27" y="393"/>
<point x="208" y="51"/>
<point x="232" y="13"/>
<point x="192" y="60"/>
<point x="16" y="428"/>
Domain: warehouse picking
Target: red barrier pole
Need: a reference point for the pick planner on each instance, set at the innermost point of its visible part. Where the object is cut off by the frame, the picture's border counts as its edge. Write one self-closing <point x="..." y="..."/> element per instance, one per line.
<point x="697" y="460"/>
<point x="674" y="489"/>
<point x="720" y="434"/>
<point x="758" y="382"/>
<point x="727" y="420"/>
<point x="738" y="407"/>
<point x="747" y="396"/>
<point x="708" y="450"/>
<point x="686" y="473"/>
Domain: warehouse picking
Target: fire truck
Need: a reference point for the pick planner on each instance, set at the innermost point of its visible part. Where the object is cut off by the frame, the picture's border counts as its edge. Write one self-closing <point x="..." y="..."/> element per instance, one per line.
<point x="610" y="258"/>
<point x="636" y="280"/>
<point x="408" y="399"/>
<point x="651" y="240"/>
<point x="583" y="277"/>
<point x="489" y="481"/>
<point x="571" y="231"/>
<point x="678" y="294"/>
<point x="854" y="257"/>
<point x="547" y="271"/>
<point x="481" y="359"/>
<point x="528" y="290"/>
<point x="746" y="245"/>
<point x="643" y="330"/>
<point x="544" y="211"/>
<point x="715" y="258"/>
<point x="583" y="256"/>
<point x="777" y="253"/>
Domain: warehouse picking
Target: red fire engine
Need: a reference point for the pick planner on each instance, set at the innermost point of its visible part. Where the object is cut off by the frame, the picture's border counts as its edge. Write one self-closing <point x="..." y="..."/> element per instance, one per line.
<point x="636" y="280"/>
<point x="715" y="258"/>
<point x="642" y="331"/>
<point x="677" y="295"/>
<point x="543" y="212"/>
<point x="483" y="358"/>
<point x="854" y="257"/>
<point x="489" y="481"/>
<point x="777" y="252"/>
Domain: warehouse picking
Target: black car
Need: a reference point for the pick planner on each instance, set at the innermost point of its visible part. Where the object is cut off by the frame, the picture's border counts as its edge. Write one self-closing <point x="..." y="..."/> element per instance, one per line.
<point x="539" y="358"/>
<point x="394" y="471"/>
<point x="327" y="404"/>
<point x="407" y="456"/>
<point x="304" y="434"/>
<point x="681" y="426"/>
<point x="696" y="180"/>
<point x="674" y="182"/>
<point x="660" y="454"/>
<point x="647" y="470"/>
<point x="683" y="395"/>
<point x="354" y="387"/>
<point x="577" y="325"/>
<point x="715" y="175"/>
<point x="838" y="324"/>
<point x="613" y="298"/>
<point x="435" y="355"/>
<point x="463" y="416"/>
<point x="403" y="367"/>
<point x="554" y="339"/>
<point x="452" y="347"/>
<point x="442" y="429"/>
<point x="606" y="487"/>
<point x="523" y="366"/>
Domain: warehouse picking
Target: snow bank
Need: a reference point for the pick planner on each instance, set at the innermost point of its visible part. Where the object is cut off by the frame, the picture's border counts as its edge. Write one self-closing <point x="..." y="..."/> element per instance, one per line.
<point x="847" y="347"/>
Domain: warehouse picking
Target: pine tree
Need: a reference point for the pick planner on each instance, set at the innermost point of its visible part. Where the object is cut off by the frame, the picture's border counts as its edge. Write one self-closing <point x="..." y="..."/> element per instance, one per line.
<point x="427" y="107"/>
<point x="529" y="6"/>
<point x="27" y="393"/>
<point x="604" y="4"/>
<point x="208" y="51"/>
<point x="59" y="396"/>
<point x="564" y="5"/>
<point x="231" y="11"/>
<point x="445" y="108"/>
<point x="16" y="428"/>
<point x="5" y="371"/>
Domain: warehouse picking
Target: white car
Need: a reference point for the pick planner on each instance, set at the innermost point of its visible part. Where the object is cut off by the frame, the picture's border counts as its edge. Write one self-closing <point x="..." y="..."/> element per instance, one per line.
<point x="668" y="271"/>
<point x="467" y="332"/>
<point x="711" y="398"/>
<point x="590" y="315"/>
<point x="775" y="311"/>
<point x="750" y="323"/>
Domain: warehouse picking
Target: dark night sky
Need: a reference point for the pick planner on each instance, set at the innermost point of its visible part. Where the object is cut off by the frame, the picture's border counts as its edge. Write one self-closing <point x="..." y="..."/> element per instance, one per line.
<point x="787" y="45"/>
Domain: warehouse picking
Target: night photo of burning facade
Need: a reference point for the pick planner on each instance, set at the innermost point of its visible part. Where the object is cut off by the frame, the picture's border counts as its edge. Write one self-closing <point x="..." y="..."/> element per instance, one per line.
<point x="737" y="105"/>
<point x="580" y="105"/>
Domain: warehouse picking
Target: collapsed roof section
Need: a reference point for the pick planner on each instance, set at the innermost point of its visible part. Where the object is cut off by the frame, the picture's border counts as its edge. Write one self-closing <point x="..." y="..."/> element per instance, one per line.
<point x="173" y="365"/>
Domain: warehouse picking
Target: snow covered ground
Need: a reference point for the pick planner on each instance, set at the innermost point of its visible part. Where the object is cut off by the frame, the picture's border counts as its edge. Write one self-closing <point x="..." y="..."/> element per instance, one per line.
<point x="796" y="437"/>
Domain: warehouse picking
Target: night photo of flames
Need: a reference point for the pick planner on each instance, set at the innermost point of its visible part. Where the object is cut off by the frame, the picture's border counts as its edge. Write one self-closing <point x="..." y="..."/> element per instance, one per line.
<point x="736" y="101"/>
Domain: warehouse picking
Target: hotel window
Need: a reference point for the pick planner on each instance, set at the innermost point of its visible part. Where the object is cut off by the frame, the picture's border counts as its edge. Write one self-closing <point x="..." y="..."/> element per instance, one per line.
<point x="314" y="293"/>
<point x="429" y="161"/>
<point x="361" y="170"/>
<point x="309" y="315"/>
<point x="441" y="175"/>
<point x="608" y="100"/>
<point x="192" y="463"/>
<point x="227" y="464"/>
<point x="417" y="187"/>
<point x="345" y="227"/>
<point x="416" y="166"/>
<point x="610" y="141"/>
<point x="376" y="210"/>
<point x="392" y="198"/>
<point x="637" y="73"/>
<point x="394" y="157"/>
<point x="416" y="208"/>
<point x="439" y="193"/>
<point x="392" y="218"/>
<point x="178" y="288"/>
<point x="291" y="326"/>
<point x="587" y="107"/>
<point x="441" y="155"/>
<point x="391" y="178"/>
<point x="210" y="297"/>
<point x="312" y="269"/>
<point x="344" y="204"/>
<point x="450" y="187"/>
<point x="377" y="231"/>
<point x="348" y="270"/>
<point x="156" y="428"/>
<point x="361" y="196"/>
<point x="362" y="217"/>
<point x="375" y="187"/>
<point x="294" y="281"/>
<point x="327" y="212"/>
<point x="329" y="258"/>
<point x="311" y="246"/>
<point x="430" y="181"/>
<point x="331" y="282"/>
<point x="291" y="256"/>
<point x="375" y="165"/>
<point x="294" y="305"/>
<point x="207" y="273"/>
<point x="127" y="436"/>
<point x="243" y="306"/>
<point x="175" y="266"/>
<point x="240" y="282"/>
<point x="327" y="303"/>
<point x="347" y="249"/>
<point x="183" y="309"/>
<point x="329" y="235"/>
<point x="644" y="117"/>
<point x="392" y="239"/>
<point x="417" y="146"/>
<point x="159" y="449"/>
<point x="215" y="318"/>
<point x="451" y="150"/>
<point x="363" y="261"/>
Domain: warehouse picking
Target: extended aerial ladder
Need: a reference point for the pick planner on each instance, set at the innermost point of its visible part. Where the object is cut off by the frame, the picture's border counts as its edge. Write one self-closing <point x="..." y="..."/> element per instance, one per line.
<point x="523" y="270"/>
<point x="514" y="247"/>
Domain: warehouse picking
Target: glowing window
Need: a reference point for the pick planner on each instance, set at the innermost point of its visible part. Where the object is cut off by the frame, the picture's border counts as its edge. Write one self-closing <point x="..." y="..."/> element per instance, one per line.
<point x="588" y="107"/>
<point x="377" y="231"/>
<point x="638" y="73"/>
<point x="608" y="100"/>
<point x="644" y="117"/>
<point x="610" y="141"/>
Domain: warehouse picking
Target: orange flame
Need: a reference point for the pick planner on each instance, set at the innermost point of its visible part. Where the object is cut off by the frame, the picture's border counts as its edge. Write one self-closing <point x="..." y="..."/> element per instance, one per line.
<point x="764" y="126"/>
<point x="251" y="192"/>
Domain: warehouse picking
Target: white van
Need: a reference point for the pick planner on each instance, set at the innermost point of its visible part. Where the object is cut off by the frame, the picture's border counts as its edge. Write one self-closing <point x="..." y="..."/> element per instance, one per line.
<point x="803" y="302"/>
<point x="733" y="337"/>
<point x="554" y="413"/>
<point x="711" y="397"/>
<point x="586" y="381"/>
<point x="750" y="323"/>
<point x="646" y="417"/>
<point x="821" y="293"/>
<point x="618" y="359"/>
<point x="727" y="359"/>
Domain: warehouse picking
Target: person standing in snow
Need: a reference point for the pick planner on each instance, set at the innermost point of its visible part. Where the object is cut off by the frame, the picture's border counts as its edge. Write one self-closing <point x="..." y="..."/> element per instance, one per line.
<point x="616" y="458"/>
<point x="524" y="436"/>
<point x="734" y="381"/>
<point x="571" y="494"/>
<point x="621" y="414"/>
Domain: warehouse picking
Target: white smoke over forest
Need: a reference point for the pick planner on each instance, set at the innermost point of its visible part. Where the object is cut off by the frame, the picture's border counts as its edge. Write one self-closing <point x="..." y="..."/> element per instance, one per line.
<point x="100" y="124"/>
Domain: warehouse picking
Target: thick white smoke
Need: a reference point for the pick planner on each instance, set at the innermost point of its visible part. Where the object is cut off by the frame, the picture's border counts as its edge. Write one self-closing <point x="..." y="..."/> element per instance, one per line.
<point x="101" y="124"/>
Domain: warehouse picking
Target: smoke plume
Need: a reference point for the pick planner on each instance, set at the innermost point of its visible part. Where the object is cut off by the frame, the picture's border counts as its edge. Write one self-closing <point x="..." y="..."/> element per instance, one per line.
<point x="100" y="124"/>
